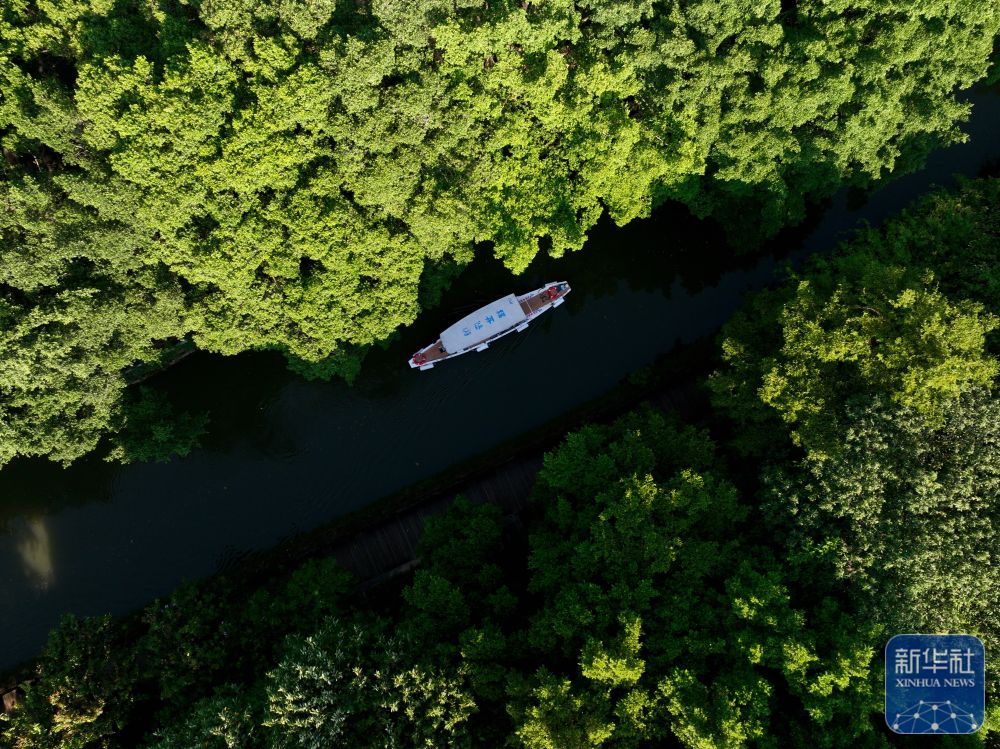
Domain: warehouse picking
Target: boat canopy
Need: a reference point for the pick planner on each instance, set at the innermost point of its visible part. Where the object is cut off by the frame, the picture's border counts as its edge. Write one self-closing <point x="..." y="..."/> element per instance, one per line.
<point x="484" y="323"/>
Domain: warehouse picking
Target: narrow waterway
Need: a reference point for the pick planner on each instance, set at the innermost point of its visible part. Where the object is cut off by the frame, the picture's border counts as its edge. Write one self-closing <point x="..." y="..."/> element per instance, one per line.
<point x="284" y="455"/>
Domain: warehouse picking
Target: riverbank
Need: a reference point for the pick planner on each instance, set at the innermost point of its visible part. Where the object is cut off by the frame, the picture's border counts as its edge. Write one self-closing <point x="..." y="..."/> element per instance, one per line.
<point x="167" y="358"/>
<point x="673" y="379"/>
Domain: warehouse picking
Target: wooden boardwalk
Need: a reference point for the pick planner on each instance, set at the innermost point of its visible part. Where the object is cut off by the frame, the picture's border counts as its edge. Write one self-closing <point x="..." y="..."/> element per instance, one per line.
<point x="390" y="548"/>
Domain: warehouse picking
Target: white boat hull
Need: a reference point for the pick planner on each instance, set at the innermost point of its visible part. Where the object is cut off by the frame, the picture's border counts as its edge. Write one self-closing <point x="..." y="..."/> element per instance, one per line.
<point x="533" y="304"/>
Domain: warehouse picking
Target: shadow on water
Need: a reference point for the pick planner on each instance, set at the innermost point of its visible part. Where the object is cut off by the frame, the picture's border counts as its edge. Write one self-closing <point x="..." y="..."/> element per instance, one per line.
<point x="37" y="487"/>
<point x="283" y="455"/>
<point x="240" y="394"/>
<point x="239" y="407"/>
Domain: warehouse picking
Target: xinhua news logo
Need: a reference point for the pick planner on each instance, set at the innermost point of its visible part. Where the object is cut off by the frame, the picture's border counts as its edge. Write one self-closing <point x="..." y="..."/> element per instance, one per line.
<point x="935" y="683"/>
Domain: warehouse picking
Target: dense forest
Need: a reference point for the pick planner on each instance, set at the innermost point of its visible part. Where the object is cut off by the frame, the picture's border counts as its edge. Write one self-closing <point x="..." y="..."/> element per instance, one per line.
<point x="721" y="585"/>
<point x="304" y="175"/>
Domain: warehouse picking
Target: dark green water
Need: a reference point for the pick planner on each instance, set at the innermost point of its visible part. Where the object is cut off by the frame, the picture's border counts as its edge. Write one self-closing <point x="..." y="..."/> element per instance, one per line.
<point x="284" y="455"/>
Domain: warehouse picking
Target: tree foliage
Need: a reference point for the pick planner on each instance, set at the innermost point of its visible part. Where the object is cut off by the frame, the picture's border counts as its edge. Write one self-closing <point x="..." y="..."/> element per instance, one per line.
<point x="351" y="684"/>
<point x="953" y="233"/>
<point x="853" y="326"/>
<point x="82" y="693"/>
<point x="659" y="620"/>
<point x="153" y="430"/>
<point x="459" y="583"/>
<point x="907" y="513"/>
<point x="228" y="719"/>
<point x="877" y="363"/>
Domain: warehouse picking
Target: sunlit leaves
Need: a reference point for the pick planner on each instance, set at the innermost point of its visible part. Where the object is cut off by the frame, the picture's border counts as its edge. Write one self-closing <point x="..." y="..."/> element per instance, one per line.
<point x="851" y="327"/>
<point x="352" y="684"/>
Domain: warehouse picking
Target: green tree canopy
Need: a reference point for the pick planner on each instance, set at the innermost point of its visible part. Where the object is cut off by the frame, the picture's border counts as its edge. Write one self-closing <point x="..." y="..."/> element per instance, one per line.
<point x="82" y="695"/>
<point x="852" y="327"/>
<point x="352" y="684"/>
<point x="658" y="618"/>
<point x="229" y="719"/>
<point x="907" y="513"/>
<point x="955" y="233"/>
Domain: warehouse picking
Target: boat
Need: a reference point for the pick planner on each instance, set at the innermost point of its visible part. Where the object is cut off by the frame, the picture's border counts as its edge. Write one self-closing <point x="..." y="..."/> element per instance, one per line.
<point x="477" y="330"/>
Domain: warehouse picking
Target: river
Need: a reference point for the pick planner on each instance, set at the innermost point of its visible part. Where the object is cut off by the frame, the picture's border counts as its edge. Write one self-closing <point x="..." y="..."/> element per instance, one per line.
<point x="284" y="455"/>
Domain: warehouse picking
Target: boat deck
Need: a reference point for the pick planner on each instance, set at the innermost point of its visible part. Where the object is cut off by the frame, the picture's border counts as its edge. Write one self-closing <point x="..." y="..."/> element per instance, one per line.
<point x="534" y="303"/>
<point x="434" y="352"/>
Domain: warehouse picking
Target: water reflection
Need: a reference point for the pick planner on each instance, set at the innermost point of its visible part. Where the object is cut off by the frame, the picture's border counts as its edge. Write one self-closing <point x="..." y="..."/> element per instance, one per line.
<point x="35" y="551"/>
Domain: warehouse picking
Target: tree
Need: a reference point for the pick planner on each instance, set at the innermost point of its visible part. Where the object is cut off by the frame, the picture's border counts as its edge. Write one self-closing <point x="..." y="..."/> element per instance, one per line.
<point x="192" y="641"/>
<point x="229" y="719"/>
<point x="82" y="694"/>
<point x="153" y="430"/>
<point x="462" y="606"/>
<point x="954" y="233"/>
<point x="459" y="582"/>
<point x="906" y="514"/>
<point x="313" y="593"/>
<point x="351" y="684"/>
<point x="657" y="618"/>
<point x="852" y="327"/>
